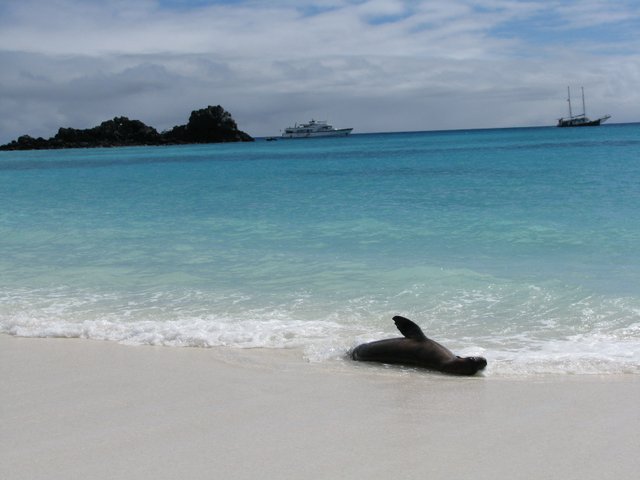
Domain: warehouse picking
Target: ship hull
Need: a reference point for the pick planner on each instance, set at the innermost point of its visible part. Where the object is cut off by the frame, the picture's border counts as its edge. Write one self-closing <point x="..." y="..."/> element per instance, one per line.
<point x="581" y="122"/>
<point x="566" y="124"/>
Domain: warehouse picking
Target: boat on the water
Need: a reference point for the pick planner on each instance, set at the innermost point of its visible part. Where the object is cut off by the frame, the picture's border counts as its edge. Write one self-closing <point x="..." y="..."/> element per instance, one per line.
<point x="315" y="128"/>
<point x="580" y="120"/>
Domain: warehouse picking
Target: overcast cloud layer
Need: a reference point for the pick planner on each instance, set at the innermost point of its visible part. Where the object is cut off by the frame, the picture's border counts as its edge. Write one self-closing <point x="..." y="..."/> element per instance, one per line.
<point x="378" y="65"/>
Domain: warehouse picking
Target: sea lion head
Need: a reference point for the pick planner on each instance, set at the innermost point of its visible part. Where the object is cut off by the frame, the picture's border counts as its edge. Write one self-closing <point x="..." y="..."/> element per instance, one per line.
<point x="467" y="365"/>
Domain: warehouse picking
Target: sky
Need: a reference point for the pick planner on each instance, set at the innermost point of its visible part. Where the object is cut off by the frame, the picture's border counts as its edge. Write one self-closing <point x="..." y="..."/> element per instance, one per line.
<point x="374" y="65"/>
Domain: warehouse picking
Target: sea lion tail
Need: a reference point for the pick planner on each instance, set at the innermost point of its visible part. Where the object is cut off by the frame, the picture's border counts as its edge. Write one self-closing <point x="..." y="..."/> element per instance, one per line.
<point x="354" y="353"/>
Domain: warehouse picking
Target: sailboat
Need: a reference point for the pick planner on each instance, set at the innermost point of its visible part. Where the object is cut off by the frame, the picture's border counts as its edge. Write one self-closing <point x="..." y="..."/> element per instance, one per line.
<point x="580" y="120"/>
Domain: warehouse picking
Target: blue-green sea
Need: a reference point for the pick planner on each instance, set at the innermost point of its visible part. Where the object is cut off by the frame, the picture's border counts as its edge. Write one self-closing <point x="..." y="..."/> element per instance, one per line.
<point x="521" y="245"/>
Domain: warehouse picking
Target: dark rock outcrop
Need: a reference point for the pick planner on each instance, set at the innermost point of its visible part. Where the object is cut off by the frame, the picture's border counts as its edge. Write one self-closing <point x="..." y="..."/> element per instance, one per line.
<point x="209" y="125"/>
<point x="117" y="132"/>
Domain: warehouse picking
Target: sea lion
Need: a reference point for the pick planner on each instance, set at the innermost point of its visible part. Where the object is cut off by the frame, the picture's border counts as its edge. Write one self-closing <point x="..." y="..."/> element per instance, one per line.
<point x="417" y="350"/>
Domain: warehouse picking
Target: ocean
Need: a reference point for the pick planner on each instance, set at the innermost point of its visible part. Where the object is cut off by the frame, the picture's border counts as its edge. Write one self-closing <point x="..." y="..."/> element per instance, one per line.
<point x="521" y="245"/>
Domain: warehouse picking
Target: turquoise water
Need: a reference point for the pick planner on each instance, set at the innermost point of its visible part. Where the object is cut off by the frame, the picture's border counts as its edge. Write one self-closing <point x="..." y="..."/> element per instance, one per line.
<point x="518" y="244"/>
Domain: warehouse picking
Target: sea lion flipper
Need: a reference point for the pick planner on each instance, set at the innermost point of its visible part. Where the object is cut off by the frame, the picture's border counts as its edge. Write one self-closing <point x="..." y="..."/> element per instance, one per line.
<point x="408" y="328"/>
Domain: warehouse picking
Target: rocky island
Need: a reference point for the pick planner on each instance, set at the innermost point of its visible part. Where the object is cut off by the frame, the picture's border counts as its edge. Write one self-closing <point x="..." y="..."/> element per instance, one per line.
<point x="208" y="125"/>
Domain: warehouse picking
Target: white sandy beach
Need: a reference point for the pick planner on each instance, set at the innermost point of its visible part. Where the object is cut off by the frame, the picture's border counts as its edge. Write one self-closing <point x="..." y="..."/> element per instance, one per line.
<point x="80" y="409"/>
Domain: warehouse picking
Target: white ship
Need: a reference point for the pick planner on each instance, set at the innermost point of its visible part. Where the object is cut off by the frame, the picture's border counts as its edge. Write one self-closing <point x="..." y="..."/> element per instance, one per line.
<point x="315" y="128"/>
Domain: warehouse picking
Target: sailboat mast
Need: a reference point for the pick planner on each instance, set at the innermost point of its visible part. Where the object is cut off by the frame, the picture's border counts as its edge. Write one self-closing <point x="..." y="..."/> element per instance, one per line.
<point x="569" y="100"/>
<point x="584" y="112"/>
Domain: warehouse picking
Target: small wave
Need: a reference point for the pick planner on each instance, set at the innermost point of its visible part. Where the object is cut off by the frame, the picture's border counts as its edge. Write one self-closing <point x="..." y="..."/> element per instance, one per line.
<point x="529" y="331"/>
<point x="322" y="341"/>
<point x="592" y="354"/>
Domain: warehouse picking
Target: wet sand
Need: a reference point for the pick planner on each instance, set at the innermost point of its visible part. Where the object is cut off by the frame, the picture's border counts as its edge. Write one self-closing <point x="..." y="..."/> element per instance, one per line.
<point x="80" y="409"/>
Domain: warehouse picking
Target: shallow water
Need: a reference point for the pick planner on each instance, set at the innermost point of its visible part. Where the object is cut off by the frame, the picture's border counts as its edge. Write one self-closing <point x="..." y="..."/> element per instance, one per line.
<point x="517" y="244"/>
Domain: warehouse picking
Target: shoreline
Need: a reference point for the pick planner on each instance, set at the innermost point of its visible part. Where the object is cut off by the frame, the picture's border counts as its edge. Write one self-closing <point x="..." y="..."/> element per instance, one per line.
<point x="75" y="408"/>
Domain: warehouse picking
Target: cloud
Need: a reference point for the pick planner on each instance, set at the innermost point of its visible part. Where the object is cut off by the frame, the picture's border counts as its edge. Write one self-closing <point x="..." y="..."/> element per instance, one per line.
<point x="381" y="65"/>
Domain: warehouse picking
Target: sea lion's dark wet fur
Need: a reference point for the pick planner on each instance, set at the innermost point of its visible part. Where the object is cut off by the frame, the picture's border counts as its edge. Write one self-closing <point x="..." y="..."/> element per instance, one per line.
<point x="416" y="349"/>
